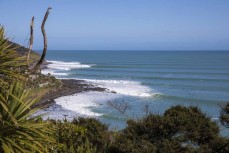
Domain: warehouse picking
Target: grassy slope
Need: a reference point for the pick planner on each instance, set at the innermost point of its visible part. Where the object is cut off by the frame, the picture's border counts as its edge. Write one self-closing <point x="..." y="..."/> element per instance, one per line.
<point x="23" y="51"/>
<point x="53" y="83"/>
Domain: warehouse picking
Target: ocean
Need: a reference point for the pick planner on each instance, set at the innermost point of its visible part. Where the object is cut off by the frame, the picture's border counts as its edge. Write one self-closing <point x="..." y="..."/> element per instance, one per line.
<point x="156" y="79"/>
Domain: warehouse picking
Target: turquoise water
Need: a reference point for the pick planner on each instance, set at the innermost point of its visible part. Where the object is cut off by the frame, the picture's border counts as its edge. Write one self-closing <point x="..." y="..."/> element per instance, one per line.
<point x="164" y="79"/>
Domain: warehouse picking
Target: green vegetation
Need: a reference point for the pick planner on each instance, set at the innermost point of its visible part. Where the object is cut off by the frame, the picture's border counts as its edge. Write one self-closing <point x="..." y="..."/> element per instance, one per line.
<point x="96" y="132"/>
<point x="10" y="63"/>
<point x="69" y="138"/>
<point x="179" y="129"/>
<point x="19" y="131"/>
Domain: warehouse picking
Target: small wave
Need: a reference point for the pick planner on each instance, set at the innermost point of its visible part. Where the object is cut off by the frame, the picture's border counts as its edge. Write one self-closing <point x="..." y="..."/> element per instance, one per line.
<point x="59" y="68"/>
<point x="169" y="77"/>
<point x="124" y="87"/>
<point x="185" y="99"/>
<point x="60" y="65"/>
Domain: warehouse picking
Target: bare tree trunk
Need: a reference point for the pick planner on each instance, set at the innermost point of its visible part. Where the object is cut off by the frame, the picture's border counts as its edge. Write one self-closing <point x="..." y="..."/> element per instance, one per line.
<point x="45" y="42"/>
<point x="30" y="40"/>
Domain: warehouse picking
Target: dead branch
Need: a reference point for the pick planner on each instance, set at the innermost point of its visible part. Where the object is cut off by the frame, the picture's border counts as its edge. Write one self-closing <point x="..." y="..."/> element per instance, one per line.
<point x="45" y="42"/>
<point x="30" y="40"/>
<point x="120" y="106"/>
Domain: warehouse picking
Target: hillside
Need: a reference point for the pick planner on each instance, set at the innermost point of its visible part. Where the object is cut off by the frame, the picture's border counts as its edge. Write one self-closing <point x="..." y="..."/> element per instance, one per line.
<point x="23" y="51"/>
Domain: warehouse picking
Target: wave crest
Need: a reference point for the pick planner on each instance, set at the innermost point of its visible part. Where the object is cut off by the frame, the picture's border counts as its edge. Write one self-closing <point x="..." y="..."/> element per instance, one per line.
<point x="124" y="87"/>
<point x="58" y="68"/>
<point x="60" y="65"/>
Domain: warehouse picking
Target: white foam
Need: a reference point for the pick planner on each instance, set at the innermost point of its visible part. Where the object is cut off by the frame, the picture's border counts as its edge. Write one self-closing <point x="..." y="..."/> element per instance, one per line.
<point x="77" y="105"/>
<point x="59" y="68"/>
<point x="60" y="65"/>
<point x="124" y="87"/>
<point x="82" y="104"/>
<point x="56" y="112"/>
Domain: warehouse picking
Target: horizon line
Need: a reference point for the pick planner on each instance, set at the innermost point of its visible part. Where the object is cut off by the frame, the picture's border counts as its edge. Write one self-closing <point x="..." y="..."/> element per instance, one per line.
<point x="126" y="50"/>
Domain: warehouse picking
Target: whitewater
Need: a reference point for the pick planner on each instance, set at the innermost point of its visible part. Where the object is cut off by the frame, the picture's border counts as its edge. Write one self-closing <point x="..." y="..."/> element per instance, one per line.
<point x="157" y="79"/>
<point x="82" y="104"/>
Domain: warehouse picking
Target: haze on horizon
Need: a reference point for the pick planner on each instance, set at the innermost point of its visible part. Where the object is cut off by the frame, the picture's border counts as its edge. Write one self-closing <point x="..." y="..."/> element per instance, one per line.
<point x="121" y="24"/>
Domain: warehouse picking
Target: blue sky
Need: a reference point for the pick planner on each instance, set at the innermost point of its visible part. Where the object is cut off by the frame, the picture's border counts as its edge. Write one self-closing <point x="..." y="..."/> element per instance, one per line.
<point x="121" y="24"/>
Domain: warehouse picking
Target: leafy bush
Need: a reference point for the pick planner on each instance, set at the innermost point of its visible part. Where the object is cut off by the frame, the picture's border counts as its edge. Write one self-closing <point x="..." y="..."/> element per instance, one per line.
<point x="68" y="135"/>
<point x="82" y="135"/>
<point x="96" y="132"/>
<point x="180" y="129"/>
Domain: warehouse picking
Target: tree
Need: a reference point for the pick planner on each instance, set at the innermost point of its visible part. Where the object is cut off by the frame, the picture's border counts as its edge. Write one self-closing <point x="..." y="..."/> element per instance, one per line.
<point x="30" y="40"/>
<point x="37" y="66"/>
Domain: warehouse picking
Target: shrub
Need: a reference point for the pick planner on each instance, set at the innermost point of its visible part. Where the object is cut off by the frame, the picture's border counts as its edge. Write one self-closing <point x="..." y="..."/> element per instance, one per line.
<point x="180" y="129"/>
<point x="96" y="132"/>
<point x="70" y="138"/>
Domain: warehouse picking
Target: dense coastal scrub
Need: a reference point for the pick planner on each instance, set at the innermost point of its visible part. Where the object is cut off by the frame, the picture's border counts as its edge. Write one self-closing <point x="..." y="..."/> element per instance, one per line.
<point x="179" y="129"/>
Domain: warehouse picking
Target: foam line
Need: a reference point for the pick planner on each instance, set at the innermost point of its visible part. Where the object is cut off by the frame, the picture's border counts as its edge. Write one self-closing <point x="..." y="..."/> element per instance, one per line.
<point x="59" y="68"/>
<point x="60" y="65"/>
<point x="79" y="103"/>
<point x="124" y="87"/>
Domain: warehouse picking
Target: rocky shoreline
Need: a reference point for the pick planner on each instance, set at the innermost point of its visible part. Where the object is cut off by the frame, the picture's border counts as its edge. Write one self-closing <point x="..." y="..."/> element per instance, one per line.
<point x="69" y="87"/>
